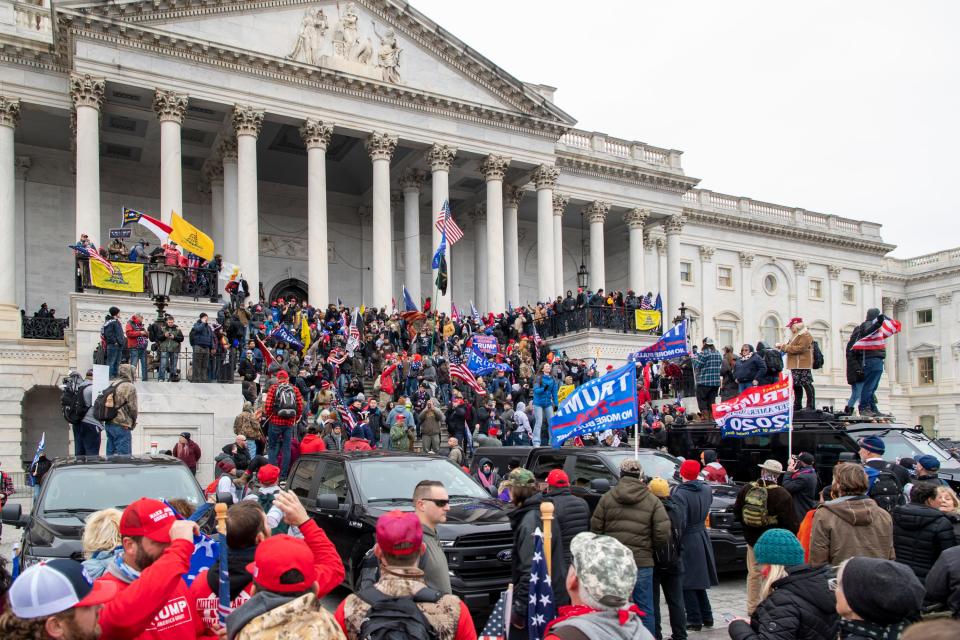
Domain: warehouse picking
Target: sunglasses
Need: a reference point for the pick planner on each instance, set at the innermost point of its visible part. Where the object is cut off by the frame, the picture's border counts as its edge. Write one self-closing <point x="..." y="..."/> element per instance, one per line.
<point x="439" y="503"/>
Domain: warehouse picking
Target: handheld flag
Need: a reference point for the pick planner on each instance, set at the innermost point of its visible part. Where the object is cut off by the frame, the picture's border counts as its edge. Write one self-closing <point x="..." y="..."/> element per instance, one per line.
<point x="757" y="411"/>
<point x="305" y="332"/>
<point x="454" y="312"/>
<point x="671" y="344"/>
<point x="408" y="303"/>
<point x="658" y="305"/>
<point x="36" y="456"/>
<point x="353" y="341"/>
<point x="268" y="358"/>
<point x="190" y="238"/>
<point x="462" y="372"/>
<point x="541" y="609"/>
<point x="284" y="334"/>
<point x="477" y="364"/>
<point x="94" y="255"/>
<point x="160" y="229"/>
<point x="124" y="276"/>
<point x="443" y="278"/>
<point x="442" y="249"/>
<point x="877" y="334"/>
<point x="496" y="627"/>
<point x="475" y="314"/>
<point x="603" y="403"/>
<point x="445" y="224"/>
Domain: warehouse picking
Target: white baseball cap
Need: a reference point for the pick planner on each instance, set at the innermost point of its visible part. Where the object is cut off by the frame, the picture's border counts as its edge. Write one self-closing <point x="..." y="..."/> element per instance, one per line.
<point x="53" y="586"/>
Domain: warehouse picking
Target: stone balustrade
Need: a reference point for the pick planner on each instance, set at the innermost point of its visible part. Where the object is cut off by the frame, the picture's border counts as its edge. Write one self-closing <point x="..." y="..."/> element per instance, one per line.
<point x="26" y="20"/>
<point x="602" y="145"/>
<point x="940" y="259"/>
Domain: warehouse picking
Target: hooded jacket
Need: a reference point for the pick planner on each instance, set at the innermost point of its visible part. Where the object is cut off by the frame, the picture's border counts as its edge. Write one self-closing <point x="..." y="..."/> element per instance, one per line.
<point x="802" y="485"/>
<point x="850" y="526"/>
<point x="635" y="517"/>
<point x="572" y="513"/>
<point x="126" y="398"/>
<point x="272" y="616"/>
<point x="920" y="534"/>
<point x="312" y="443"/>
<point x="524" y="520"/>
<point x="943" y="581"/>
<point x="800" y="607"/>
<point x="599" y="624"/>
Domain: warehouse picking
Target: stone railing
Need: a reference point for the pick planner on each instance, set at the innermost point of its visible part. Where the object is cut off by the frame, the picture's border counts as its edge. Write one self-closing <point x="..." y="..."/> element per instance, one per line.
<point x="603" y="145"/>
<point x="928" y="262"/>
<point x="710" y="201"/>
<point x="27" y="20"/>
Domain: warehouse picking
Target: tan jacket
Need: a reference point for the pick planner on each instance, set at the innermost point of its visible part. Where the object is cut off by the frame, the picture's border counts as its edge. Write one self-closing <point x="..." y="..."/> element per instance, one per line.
<point x="126" y="398"/>
<point x="800" y="350"/>
<point x="850" y="526"/>
<point x="246" y="425"/>
<point x="303" y="619"/>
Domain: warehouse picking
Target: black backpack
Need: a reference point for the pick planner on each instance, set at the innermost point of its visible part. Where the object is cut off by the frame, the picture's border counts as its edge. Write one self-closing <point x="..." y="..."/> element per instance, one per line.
<point x="773" y="360"/>
<point x="817" y="356"/>
<point x="885" y="490"/>
<point x="285" y="401"/>
<point x="400" y="618"/>
<point x="105" y="406"/>
<point x="72" y="404"/>
<point x="669" y="554"/>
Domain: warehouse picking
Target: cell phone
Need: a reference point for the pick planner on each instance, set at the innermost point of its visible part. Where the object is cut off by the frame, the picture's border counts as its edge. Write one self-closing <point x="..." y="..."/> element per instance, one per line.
<point x="728" y="617"/>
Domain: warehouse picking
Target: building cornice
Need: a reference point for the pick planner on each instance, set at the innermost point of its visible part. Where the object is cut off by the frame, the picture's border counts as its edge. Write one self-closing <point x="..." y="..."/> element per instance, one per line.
<point x="625" y="173"/>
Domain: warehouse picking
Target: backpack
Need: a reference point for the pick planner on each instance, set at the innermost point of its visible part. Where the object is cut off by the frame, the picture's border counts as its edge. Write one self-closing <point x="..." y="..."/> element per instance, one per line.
<point x="669" y="554"/>
<point x="817" y="356"/>
<point x="396" y="618"/>
<point x="285" y="401"/>
<point x="105" y="406"/>
<point x="773" y="360"/>
<point x="755" y="512"/>
<point x="885" y="489"/>
<point x="72" y="405"/>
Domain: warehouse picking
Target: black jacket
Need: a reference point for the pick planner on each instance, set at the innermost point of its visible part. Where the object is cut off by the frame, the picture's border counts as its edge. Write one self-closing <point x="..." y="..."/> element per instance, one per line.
<point x="572" y="514"/>
<point x="943" y="581"/>
<point x="802" y="485"/>
<point x="920" y="535"/>
<point x="524" y="520"/>
<point x="800" y="607"/>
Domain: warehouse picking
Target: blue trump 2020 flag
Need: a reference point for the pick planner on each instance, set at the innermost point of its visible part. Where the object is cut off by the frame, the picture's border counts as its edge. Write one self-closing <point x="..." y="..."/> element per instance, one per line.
<point x="285" y="335"/>
<point x="671" y="344"/>
<point x="478" y="365"/>
<point x="609" y="402"/>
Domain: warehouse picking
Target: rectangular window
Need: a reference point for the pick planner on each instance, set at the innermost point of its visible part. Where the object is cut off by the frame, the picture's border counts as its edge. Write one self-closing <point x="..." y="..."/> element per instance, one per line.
<point x="686" y="272"/>
<point x="849" y="293"/>
<point x="925" y="372"/>
<point x="725" y="338"/>
<point x="725" y="277"/>
<point x="816" y="289"/>
<point x="924" y="316"/>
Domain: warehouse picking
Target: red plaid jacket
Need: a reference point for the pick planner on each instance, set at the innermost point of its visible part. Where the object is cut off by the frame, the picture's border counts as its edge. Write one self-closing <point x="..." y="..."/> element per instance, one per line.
<point x="269" y="408"/>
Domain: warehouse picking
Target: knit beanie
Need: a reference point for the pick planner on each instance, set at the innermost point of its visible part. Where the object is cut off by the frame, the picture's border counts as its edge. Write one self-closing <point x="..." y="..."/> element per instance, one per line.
<point x="778" y="546"/>
<point x="881" y="591"/>
<point x="689" y="469"/>
<point x="659" y="487"/>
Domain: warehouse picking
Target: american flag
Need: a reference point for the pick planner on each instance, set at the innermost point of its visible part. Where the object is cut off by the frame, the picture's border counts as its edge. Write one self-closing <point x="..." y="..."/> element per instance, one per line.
<point x="874" y="341"/>
<point x="353" y="341"/>
<point x="267" y="356"/>
<point x="454" y="232"/>
<point x="92" y="253"/>
<point x="337" y="356"/>
<point x="496" y="627"/>
<point x="475" y="314"/>
<point x="541" y="608"/>
<point x="645" y="303"/>
<point x="454" y="312"/>
<point x="461" y="371"/>
<point x="346" y="416"/>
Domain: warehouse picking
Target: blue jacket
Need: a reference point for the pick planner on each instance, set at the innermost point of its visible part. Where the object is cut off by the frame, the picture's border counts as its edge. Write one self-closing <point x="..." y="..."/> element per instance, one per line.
<point x="545" y="391"/>
<point x="750" y="369"/>
<point x="113" y="334"/>
<point x="201" y="335"/>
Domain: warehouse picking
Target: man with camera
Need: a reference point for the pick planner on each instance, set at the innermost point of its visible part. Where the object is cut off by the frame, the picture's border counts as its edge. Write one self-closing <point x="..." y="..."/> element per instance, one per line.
<point x="167" y="337"/>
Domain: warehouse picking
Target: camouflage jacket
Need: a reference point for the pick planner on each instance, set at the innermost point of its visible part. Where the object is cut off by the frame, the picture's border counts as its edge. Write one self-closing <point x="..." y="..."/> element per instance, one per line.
<point x="302" y="618"/>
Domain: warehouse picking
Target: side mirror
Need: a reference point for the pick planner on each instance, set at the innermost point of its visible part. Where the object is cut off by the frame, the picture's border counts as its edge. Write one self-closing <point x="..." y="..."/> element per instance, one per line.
<point x="328" y="502"/>
<point x="12" y="514"/>
<point x="599" y="485"/>
<point x="225" y="498"/>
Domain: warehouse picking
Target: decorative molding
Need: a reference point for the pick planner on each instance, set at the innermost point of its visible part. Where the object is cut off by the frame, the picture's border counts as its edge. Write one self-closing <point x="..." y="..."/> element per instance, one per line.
<point x="87" y="90"/>
<point x="706" y="253"/>
<point x="545" y="176"/>
<point x="649" y="242"/>
<point x="170" y="106"/>
<point x="746" y="259"/>
<point x="512" y="195"/>
<point x="9" y="112"/>
<point x="227" y="149"/>
<point x="396" y="201"/>
<point x="800" y="267"/>
<point x="596" y="211"/>
<point x="316" y="134"/>
<point x="288" y="247"/>
<point x="636" y="218"/>
<point x="560" y="201"/>
<point x="412" y="179"/>
<point x="673" y="224"/>
<point x="866" y="277"/>
<point x="625" y="173"/>
<point x="21" y="165"/>
<point x="381" y="145"/>
<point x="661" y="246"/>
<point x="945" y="298"/>
<point x="213" y="172"/>
<point x="495" y="167"/>
<point x="833" y="271"/>
<point x="440" y="157"/>
<point x="247" y="121"/>
<point x="900" y="305"/>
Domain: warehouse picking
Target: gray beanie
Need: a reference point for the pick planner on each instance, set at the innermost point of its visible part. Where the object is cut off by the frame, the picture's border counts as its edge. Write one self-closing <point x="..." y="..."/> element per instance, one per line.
<point x="881" y="591"/>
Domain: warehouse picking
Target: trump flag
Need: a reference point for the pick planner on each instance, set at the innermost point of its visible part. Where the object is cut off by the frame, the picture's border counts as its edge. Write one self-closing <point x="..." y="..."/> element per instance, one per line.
<point x="671" y="344"/>
<point x="757" y="411"/>
<point x="609" y="402"/>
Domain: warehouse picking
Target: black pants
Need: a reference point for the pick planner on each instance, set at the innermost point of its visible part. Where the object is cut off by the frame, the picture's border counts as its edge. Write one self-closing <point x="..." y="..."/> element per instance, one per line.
<point x="706" y="396"/>
<point x="671" y="581"/>
<point x="86" y="440"/>
<point x="698" y="606"/>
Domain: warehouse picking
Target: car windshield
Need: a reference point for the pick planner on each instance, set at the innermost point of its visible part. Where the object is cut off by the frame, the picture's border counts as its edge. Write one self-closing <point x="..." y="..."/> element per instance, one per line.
<point x="386" y="480"/>
<point x="96" y="487"/>
<point x="654" y="465"/>
<point x="906" y="444"/>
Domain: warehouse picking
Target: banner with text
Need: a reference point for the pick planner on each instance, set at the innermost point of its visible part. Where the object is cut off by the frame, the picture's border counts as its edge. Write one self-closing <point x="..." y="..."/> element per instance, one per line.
<point x="672" y="344"/>
<point x="757" y="411"/>
<point x="609" y="402"/>
<point x="646" y="319"/>
<point x="485" y="344"/>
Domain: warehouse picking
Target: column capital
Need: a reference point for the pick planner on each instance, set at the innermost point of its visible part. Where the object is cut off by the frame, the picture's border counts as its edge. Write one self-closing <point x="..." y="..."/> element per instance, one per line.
<point x="412" y="179"/>
<point x="512" y="195"/>
<point x="170" y="106"/>
<point x="87" y="90"/>
<point x="800" y="267"/>
<point x="213" y="172"/>
<point x="316" y="133"/>
<point x="440" y="157"/>
<point x="560" y="201"/>
<point x="661" y="246"/>
<point x="381" y="145"/>
<point x="888" y="305"/>
<point x="227" y="150"/>
<point x="247" y="121"/>
<point x="545" y="176"/>
<point x="945" y="298"/>
<point x="9" y="112"/>
<point x="834" y="271"/>
<point x="900" y="305"/>
<point x="495" y="167"/>
<point x="479" y="213"/>
<point x="649" y="242"/>
<point x="706" y="253"/>
<point x="22" y="165"/>
<point x="596" y="211"/>
<point x="636" y="218"/>
<point x="396" y="199"/>
<point x="877" y="277"/>
<point x="673" y="224"/>
<point x="746" y="259"/>
<point x="866" y="277"/>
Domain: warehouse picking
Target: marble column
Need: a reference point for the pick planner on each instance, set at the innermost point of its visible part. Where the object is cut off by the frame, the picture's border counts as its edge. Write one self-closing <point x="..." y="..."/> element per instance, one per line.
<point x="213" y="174"/>
<point x="801" y="292"/>
<point x="839" y="346"/>
<point x="511" y="244"/>
<point x="170" y="108"/>
<point x="866" y="292"/>
<point x="247" y="122"/>
<point x="22" y="167"/>
<point x="494" y="168"/>
<point x="381" y="146"/>
<point x="708" y="289"/>
<point x="396" y="273"/>
<point x="560" y="201"/>
<point x="9" y="116"/>
<point x="228" y="157"/>
<point x="672" y="227"/>
<point x="877" y="288"/>
<point x="751" y="330"/>
<point x="545" y="179"/>
<point x="440" y="157"/>
<point x="635" y="219"/>
<point x="410" y="182"/>
<point x="661" y="244"/>
<point x="888" y="308"/>
<point x="480" y="280"/>
<point x="86" y="91"/>
<point x="596" y="214"/>
<point x="945" y="318"/>
<point x="316" y="136"/>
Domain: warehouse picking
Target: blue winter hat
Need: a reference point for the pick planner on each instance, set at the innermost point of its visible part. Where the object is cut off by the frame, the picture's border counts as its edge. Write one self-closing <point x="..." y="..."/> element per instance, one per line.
<point x="778" y="546"/>
<point x="873" y="444"/>
<point x="930" y="463"/>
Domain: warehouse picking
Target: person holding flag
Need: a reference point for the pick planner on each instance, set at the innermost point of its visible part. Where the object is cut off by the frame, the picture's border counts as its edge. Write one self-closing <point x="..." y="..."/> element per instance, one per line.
<point x="869" y="340"/>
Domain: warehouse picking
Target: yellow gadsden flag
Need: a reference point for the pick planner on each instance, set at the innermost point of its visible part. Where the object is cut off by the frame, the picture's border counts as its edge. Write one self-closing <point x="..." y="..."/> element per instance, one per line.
<point x="190" y="238"/>
<point x="126" y="276"/>
<point x="647" y="319"/>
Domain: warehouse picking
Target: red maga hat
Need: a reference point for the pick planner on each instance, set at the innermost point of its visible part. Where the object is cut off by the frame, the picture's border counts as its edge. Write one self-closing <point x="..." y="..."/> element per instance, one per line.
<point x="276" y="556"/>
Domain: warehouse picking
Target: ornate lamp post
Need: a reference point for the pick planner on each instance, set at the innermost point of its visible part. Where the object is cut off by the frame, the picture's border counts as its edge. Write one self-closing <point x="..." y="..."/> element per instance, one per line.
<point x="583" y="274"/>
<point x="160" y="282"/>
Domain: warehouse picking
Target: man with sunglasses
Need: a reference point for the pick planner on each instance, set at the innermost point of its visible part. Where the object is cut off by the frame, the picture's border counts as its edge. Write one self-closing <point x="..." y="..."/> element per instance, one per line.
<point x="431" y="504"/>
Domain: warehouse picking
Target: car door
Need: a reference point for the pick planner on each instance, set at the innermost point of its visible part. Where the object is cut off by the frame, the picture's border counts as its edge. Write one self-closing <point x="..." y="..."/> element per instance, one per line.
<point x="331" y="479"/>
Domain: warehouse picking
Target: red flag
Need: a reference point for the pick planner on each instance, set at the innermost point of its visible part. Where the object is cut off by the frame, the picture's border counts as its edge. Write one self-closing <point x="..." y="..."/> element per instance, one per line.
<point x="267" y="356"/>
<point x="874" y="341"/>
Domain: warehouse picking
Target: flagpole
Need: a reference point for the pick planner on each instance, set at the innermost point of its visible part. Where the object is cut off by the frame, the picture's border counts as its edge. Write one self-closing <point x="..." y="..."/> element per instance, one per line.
<point x="790" y="395"/>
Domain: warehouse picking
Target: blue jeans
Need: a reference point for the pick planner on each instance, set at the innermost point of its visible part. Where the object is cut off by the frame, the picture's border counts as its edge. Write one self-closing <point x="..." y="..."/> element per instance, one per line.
<point x="113" y="359"/>
<point x="139" y="355"/>
<point x="119" y="441"/>
<point x="252" y="448"/>
<point x="872" y="370"/>
<point x="855" y="390"/>
<point x="168" y="363"/>
<point x="538" y="419"/>
<point x="744" y="386"/>
<point x="86" y="440"/>
<point x="698" y="607"/>
<point x="278" y="437"/>
<point x="643" y="597"/>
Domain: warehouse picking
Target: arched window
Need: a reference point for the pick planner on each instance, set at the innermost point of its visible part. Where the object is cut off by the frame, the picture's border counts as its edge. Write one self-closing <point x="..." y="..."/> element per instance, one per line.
<point x="770" y="330"/>
<point x="821" y="333"/>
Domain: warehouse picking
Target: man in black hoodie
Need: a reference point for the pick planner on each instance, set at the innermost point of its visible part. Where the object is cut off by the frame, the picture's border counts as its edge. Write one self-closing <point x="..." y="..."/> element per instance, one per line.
<point x="572" y="512"/>
<point x="873" y="359"/>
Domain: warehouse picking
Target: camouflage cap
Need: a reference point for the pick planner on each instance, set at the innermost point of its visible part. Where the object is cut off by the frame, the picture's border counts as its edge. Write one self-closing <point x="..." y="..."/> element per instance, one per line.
<point x="631" y="467"/>
<point x="520" y="477"/>
<point x="605" y="568"/>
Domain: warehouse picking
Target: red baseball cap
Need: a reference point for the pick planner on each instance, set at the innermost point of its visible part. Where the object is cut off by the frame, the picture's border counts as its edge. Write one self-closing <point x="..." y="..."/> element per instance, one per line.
<point x="277" y="555"/>
<point x="794" y="321"/>
<point x="558" y="478"/>
<point x="268" y="474"/>
<point x="399" y="533"/>
<point x="283" y="375"/>
<point x="689" y="470"/>
<point x="147" y="517"/>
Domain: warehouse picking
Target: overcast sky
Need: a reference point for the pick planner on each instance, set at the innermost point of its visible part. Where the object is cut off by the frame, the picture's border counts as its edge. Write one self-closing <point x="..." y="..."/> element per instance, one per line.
<point x="849" y="108"/>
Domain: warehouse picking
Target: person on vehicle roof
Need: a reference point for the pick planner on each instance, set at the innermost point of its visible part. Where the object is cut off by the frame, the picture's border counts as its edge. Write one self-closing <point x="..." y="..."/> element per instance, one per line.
<point x="799" y="350"/>
<point x="749" y="369"/>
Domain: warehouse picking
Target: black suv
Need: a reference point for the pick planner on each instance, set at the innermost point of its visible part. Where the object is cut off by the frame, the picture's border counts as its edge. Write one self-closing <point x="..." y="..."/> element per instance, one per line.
<point x="593" y="470"/>
<point x="345" y="493"/>
<point x="76" y="487"/>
